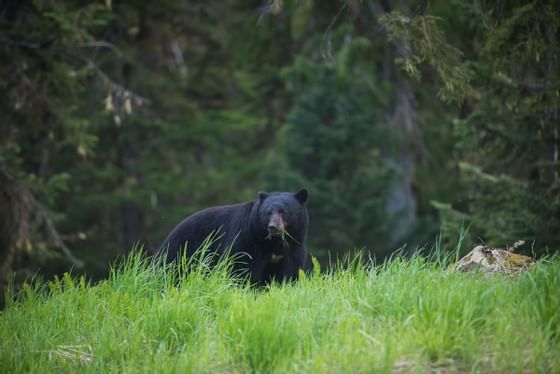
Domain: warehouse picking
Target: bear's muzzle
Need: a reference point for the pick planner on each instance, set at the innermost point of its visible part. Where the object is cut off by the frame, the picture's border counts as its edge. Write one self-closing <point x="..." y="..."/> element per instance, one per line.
<point x="276" y="225"/>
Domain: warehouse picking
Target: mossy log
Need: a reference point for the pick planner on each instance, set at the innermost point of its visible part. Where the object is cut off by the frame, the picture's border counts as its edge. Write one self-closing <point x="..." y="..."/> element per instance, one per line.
<point x="495" y="260"/>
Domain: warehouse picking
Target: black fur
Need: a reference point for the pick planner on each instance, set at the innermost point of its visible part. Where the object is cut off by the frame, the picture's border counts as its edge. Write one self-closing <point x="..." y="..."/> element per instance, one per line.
<point x="245" y="227"/>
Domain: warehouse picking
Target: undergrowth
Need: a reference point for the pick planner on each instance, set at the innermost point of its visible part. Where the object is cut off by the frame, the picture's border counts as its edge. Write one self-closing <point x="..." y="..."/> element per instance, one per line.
<point x="405" y="315"/>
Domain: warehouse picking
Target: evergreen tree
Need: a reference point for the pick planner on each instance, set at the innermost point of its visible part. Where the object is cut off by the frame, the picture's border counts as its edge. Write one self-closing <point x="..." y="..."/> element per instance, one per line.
<point x="509" y="142"/>
<point x="507" y="135"/>
<point x="336" y="142"/>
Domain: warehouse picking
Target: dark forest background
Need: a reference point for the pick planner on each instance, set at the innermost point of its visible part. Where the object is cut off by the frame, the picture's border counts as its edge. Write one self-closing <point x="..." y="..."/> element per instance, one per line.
<point x="405" y="119"/>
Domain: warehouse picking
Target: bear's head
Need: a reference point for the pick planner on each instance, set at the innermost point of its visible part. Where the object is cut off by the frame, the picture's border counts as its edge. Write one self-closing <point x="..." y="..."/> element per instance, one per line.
<point x="283" y="214"/>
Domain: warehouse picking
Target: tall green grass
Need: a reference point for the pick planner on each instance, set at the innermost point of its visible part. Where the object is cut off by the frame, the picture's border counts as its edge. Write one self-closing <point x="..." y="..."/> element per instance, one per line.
<point x="406" y="315"/>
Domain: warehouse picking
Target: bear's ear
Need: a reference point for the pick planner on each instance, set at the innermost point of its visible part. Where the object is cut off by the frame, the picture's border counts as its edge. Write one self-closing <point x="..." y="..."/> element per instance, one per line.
<point x="302" y="195"/>
<point x="263" y="195"/>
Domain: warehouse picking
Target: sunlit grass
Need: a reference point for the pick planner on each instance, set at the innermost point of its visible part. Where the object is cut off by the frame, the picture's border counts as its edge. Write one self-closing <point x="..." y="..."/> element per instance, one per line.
<point x="406" y="315"/>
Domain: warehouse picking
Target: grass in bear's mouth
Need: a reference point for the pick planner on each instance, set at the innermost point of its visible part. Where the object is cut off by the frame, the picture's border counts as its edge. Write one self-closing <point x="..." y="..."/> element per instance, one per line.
<point x="284" y="235"/>
<point x="407" y="315"/>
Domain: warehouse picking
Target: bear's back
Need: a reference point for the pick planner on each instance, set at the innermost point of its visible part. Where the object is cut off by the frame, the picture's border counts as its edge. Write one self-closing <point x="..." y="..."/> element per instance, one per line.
<point x="225" y="221"/>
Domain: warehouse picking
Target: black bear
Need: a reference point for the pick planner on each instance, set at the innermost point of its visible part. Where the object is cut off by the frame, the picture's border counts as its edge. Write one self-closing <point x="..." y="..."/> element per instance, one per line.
<point x="266" y="235"/>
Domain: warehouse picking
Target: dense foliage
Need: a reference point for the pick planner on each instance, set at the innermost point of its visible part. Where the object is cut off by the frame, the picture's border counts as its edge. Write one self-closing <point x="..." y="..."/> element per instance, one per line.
<point x="117" y="119"/>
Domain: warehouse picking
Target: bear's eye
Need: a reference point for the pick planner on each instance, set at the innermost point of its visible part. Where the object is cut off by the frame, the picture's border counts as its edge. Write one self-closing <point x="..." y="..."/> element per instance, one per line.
<point x="281" y="211"/>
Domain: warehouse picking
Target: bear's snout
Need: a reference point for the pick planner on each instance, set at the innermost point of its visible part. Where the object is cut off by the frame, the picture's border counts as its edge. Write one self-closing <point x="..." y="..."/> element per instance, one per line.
<point x="276" y="224"/>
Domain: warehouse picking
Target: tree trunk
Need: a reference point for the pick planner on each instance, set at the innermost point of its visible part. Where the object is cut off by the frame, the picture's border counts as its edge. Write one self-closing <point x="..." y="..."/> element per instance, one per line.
<point x="132" y="214"/>
<point x="401" y="205"/>
<point x="15" y="207"/>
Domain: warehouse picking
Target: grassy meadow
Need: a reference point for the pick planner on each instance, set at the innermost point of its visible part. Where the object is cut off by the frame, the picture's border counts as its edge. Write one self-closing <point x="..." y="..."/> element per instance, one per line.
<point x="406" y="315"/>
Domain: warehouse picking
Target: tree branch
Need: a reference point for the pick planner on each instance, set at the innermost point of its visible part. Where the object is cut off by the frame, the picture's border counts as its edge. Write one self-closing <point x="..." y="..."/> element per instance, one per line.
<point x="25" y="203"/>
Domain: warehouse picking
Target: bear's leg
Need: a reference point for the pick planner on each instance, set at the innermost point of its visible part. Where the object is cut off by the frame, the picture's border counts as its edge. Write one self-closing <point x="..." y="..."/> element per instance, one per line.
<point x="288" y="269"/>
<point x="273" y="272"/>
